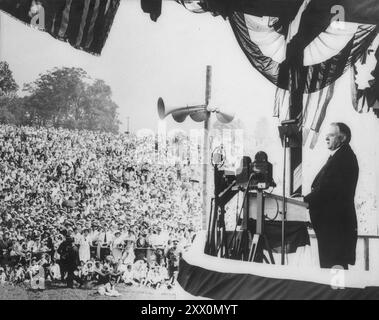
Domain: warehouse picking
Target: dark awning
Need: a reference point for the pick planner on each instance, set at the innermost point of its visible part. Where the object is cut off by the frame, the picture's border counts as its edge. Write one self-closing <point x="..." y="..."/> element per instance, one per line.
<point x="362" y="11"/>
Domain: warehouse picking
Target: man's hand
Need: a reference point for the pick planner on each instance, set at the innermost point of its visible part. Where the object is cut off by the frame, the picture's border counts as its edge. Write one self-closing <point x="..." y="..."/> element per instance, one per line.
<point x="302" y="199"/>
<point x="309" y="225"/>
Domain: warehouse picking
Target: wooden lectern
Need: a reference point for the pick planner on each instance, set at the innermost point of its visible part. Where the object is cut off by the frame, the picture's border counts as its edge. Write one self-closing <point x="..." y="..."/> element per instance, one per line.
<point x="258" y="205"/>
<point x="296" y="209"/>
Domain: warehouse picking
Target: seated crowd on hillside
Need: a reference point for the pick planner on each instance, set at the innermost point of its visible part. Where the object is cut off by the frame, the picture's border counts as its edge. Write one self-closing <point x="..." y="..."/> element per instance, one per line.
<point x="128" y="216"/>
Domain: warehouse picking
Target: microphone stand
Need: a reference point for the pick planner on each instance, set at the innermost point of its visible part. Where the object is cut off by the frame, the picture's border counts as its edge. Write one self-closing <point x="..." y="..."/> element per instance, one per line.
<point x="287" y="130"/>
<point x="284" y="210"/>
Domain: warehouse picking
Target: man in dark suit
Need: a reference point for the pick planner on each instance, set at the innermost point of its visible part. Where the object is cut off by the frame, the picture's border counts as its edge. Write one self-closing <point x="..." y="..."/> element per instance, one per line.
<point x="331" y="201"/>
<point x="72" y="262"/>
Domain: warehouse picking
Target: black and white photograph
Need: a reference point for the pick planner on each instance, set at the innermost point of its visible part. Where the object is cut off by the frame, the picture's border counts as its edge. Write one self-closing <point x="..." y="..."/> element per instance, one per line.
<point x="207" y="151"/>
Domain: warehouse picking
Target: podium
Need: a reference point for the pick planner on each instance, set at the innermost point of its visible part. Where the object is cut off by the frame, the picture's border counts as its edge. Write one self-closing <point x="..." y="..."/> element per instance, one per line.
<point x="259" y="205"/>
<point x="296" y="209"/>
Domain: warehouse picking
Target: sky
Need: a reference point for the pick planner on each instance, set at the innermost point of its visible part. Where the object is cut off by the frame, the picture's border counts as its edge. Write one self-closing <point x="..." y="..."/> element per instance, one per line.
<point x="144" y="60"/>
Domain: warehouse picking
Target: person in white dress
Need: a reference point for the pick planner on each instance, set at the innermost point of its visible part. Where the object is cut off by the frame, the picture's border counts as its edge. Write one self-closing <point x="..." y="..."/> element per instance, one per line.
<point x="77" y="236"/>
<point x="84" y="246"/>
<point x="117" y="246"/>
<point x="128" y="256"/>
<point x="55" y="271"/>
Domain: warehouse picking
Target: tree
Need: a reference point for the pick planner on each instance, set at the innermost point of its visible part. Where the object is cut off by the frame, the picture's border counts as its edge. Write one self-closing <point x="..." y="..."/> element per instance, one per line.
<point x="8" y="85"/>
<point x="99" y="110"/>
<point x="9" y="102"/>
<point x="67" y="97"/>
<point x="11" y="110"/>
<point x="54" y="96"/>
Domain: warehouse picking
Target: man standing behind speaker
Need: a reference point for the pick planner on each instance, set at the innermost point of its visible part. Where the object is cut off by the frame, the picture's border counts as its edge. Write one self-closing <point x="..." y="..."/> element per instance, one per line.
<point x="331" y="201"/>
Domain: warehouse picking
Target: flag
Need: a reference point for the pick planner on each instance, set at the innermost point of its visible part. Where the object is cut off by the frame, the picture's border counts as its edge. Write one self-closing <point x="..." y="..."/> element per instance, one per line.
<point x="85" y="24"/>
<point x="365" y="80"/>
<point x="325" y="59"/>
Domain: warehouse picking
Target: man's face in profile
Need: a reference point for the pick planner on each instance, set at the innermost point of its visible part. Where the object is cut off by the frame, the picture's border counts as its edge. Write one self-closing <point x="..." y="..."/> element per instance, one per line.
<point x="334" y="138"/>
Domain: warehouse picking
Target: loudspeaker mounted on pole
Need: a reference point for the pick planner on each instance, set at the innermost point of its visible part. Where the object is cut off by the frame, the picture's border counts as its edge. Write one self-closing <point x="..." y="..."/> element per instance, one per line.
<point x="198" y="113"/>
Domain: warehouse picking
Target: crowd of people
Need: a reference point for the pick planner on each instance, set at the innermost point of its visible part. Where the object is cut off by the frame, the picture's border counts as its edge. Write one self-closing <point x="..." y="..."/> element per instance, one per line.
<point x="91" y="208"/>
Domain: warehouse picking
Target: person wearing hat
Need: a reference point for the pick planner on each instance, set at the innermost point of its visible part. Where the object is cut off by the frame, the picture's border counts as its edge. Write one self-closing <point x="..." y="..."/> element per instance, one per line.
<point x="63" y="253"/>
<point x="3" y="276"/>
<point x="103" y="243"/>
<point x="37" y="275"/>
<point x="128" y="255"/>
<point x="71" y="262"/>
<point x="94" y="234"/>
<point x="127" y="276"/>
<point x="77" y="235"/>
<point x="5" y="246"/>
<point x="109" y="289"/>
<point x="117" y="246"/>
<point x="19" y="274"/>
<point x="84" y="246"/>
<point x="173" y="260"/>
<point x="55" y="271"/>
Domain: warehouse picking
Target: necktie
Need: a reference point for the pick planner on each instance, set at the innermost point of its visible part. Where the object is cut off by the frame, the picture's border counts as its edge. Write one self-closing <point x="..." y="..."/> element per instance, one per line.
<point x="105" y="237"/>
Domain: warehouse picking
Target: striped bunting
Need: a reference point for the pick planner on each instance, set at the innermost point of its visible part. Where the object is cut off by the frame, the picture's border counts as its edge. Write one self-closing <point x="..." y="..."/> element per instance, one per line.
<point x="85" y="24"/>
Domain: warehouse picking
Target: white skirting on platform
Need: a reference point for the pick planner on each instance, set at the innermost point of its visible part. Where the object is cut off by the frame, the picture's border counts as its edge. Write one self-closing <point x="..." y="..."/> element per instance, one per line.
<point x="302" y="271"/>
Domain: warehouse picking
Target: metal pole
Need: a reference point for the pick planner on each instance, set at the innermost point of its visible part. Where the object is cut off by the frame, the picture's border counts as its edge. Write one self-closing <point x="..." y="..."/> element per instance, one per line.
<point x="366" y="242"/>
<point x="214" y="214"/>
<point x="205" y="173"/>
<point x="206" y="150"/>
<point x="284" y="200"/>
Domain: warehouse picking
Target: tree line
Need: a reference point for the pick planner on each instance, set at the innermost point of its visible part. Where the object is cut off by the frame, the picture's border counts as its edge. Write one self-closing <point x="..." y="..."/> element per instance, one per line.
<point x="62" y="97"/>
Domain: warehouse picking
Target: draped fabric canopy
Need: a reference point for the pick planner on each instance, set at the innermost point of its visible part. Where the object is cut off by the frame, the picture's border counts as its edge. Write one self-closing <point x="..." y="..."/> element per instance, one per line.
<point x="303" y="50"/>
<point x="85" y="24"/>
<point x="325" y="60"/>
<point x="266" y="49"/>
<point x="291" y="42"/>
<point x="362" y="11"/>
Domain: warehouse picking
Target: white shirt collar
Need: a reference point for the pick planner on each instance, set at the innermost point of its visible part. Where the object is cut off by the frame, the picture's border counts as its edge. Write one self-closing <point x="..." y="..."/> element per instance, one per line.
<point x="332" y="153"/>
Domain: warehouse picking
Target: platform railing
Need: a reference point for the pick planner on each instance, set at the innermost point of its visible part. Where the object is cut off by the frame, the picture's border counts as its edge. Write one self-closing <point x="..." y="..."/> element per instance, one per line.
<point x="366" y="247"/>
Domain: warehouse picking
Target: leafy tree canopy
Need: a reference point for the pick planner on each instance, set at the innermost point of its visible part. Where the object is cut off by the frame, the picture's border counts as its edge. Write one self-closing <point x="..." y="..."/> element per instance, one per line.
<point x="68" y="97"/>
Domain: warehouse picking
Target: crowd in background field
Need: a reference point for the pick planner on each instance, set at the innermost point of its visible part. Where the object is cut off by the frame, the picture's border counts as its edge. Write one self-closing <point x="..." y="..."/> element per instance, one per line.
<point x="127" y="216"/>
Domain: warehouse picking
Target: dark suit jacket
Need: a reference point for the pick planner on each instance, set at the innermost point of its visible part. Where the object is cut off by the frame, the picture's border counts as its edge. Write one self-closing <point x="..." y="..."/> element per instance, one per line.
<point x="332" y="209"/>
